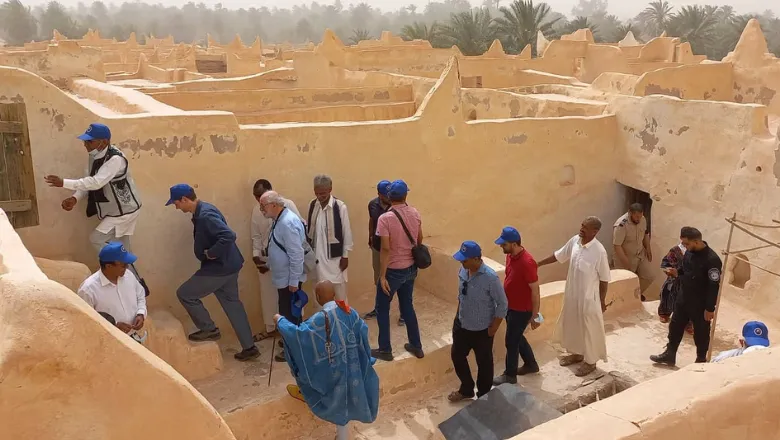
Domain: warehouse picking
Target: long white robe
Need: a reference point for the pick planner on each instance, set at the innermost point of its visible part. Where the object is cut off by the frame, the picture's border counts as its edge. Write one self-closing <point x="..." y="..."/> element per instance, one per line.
<point x="580" y="328"/>
<point x="328" y="268"/>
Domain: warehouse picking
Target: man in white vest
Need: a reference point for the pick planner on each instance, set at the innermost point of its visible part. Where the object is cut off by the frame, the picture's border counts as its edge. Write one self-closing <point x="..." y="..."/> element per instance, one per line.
<point x="109" y="190"/>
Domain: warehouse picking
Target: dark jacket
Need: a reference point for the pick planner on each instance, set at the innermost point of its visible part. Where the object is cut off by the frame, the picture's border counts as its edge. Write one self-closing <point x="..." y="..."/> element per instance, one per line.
<point x="375" y="210"/>
<point x="700" y="279"/>
<point x="212" y="234"/>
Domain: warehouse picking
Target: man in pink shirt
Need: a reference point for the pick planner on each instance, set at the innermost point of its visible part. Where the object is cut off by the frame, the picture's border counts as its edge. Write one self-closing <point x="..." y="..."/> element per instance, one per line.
<point x="400" y="229"/>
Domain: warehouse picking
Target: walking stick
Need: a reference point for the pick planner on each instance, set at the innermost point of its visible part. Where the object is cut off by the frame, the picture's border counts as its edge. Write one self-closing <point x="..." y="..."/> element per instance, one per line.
<point x="720" y="287"/>
<point x="271" y="370"/>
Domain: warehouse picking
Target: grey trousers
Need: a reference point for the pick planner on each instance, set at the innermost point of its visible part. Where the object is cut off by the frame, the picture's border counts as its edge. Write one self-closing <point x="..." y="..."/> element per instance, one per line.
<point x="226" y="290"/>
<point x="99" y="239"/>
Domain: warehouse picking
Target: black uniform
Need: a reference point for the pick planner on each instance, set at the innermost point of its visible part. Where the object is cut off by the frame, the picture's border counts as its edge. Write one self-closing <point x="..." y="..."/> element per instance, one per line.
<point x="699" y="278"/>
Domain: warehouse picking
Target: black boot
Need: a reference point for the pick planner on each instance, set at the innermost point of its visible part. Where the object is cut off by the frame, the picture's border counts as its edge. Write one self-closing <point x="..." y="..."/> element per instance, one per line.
<point x="667" y="357"/>
<point x="701" y="360"/>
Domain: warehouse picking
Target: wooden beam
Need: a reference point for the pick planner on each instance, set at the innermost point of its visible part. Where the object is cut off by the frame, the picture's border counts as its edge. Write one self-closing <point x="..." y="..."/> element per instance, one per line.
<point x="16" y="205"/>
<point x="11" y="127"/>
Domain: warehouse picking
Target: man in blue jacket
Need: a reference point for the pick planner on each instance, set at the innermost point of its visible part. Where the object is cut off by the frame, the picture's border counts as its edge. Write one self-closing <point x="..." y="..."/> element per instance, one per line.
<point x="220" y="262"/>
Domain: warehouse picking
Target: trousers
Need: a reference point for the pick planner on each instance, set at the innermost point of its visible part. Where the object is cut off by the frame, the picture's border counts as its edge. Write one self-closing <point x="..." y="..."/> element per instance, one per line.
<point x="225" y="288"/>
<point x="516" y="343"/>
<point x="401" y="282"/>
<point x="682" y="315"/>
<point x="463" y="341"/>
<point x="285" y="304"/>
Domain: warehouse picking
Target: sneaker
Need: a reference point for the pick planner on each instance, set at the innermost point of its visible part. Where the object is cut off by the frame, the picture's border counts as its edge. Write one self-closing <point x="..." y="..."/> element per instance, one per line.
<point x="203" y="335"/>
<point x="382" y="355"/>
<point x="370" y="315"/>
<point x="666" y="358"/>
<point x="499" y="380"/>
<point x="527" y="369"/>
<point x="401" y="322"/>
<point x="247" y="354"/>
<point x="280" y="357"/>
<point x="417" y="352"/>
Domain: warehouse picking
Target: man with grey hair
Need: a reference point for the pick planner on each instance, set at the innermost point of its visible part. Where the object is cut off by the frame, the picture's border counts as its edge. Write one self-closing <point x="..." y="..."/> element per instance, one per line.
<point x="329" y="233"/>
<point x="580" y="326"/>
<point x="285" y="249"/>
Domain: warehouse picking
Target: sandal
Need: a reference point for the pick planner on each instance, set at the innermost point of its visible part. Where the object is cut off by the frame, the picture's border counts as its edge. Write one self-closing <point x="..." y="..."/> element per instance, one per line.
<point x="456" y="396"/>
<point x="264" y="335"/>
<point x="571" y="360"/>
<point x="295" y="392"/>
<point x="585" y="369"/>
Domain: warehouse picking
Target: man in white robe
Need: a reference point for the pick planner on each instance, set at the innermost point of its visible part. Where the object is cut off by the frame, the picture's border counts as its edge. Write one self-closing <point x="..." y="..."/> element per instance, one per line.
<point x="581" y="323"/>
<point x="330" y="235"/>
<point x="260" y="233"/>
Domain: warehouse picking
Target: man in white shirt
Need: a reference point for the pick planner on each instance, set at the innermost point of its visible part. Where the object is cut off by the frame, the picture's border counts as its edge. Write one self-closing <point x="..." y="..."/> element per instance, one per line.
<point x="260" y="232"/>
<point x="114" y="295"/>
<point x="329" y="233"/>
<point x="109" y="189"/>
<point x="755" y="336"/>
<point x="581" y="323"/>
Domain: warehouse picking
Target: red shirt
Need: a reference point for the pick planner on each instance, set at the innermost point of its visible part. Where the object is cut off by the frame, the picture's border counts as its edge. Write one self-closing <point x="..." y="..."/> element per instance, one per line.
<point x="520" y="272"/>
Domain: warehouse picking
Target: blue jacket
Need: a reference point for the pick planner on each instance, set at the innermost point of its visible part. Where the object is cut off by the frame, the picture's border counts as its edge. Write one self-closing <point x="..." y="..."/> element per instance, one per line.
<point x="343" y="386"/>
<point x="212" y="234"/>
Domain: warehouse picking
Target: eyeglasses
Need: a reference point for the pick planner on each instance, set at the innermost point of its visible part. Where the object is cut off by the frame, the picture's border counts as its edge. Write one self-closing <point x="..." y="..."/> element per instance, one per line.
<point x="465" y="288"/>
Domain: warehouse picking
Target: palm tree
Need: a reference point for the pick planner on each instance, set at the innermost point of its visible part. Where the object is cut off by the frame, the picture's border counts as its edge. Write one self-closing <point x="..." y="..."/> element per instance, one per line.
<point x="471" y="31"/>
<point x="17" y="23"/>
<point x="656" y="17"/>
<point x="580" y="23"/>
<point x="421" y="31"/>
<point x="521" y="23"/>
<point x="694" y="24"/>
<point x="359" y="35"/>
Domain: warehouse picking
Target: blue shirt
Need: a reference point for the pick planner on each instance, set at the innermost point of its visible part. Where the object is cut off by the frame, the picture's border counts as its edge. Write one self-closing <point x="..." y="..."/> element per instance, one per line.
<point x="339" y="386"/>
<point x="481" y="299"/>
<point x="213" y="235"/>
<point x="285" y="250"/>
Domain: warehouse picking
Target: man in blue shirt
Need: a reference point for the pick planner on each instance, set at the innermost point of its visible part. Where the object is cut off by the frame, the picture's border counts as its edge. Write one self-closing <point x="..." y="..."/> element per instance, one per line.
<point x="285" y="253"/>
<point x="220" y="262"/>
<point x="482" y="305"/>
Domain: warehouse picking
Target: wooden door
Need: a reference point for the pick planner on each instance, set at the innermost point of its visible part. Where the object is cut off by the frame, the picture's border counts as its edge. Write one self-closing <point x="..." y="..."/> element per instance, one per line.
<point x="17" y="181"/>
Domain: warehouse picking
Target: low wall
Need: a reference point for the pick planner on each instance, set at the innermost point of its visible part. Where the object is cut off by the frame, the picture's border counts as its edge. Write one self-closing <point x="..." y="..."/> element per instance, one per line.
<point x="263" y="100"/>
<point x="356" y="113"/>
<point x="58" y="63"/>
<point x="493" y="104"/>
<point x="692" y="82"/>
<point x="120" y="99"/>
<point x="736" y="399"/>
<point x="283" y="78"/>
<point x="60" y="357"/>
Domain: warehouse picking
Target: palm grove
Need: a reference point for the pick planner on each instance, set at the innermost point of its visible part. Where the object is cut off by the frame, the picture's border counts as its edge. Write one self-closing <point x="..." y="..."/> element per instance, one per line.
<point x="711" y="30"/>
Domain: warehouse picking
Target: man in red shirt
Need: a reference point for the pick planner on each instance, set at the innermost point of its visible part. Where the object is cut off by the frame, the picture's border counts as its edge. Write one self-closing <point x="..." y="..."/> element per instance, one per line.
<point x="522" y="292"/>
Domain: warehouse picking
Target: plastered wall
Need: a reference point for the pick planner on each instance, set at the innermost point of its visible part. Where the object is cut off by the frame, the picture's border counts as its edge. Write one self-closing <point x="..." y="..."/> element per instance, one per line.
<point x="58" y="63"/>
<point x="68" y="374"/>
<point x="452" y="182"/>
<point x="495" y="104"/>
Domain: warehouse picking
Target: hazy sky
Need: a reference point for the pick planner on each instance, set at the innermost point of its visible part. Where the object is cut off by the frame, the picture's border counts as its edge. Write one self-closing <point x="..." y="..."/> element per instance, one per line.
<point x="622" y="8"/>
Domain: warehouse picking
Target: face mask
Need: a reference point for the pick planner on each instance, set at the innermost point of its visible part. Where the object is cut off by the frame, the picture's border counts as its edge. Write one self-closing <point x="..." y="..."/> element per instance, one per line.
<point x="94" y="153"/>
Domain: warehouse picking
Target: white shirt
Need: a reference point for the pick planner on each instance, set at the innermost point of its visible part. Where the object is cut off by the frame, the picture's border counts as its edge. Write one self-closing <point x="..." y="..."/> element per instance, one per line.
<point x="124" y="225"/>
<point x="581" y="323"/>
<point x="261" y="227"/>
<point x="736" y="352"/>
<point x="328" y="268"/>
<point x="123" y="300"/>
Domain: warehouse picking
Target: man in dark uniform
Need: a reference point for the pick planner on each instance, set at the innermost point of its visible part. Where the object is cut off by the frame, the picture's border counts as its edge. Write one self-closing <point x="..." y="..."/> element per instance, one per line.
<point x="700" y="279"/>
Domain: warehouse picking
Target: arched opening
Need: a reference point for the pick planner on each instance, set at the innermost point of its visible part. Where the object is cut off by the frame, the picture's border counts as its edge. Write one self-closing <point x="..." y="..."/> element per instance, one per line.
<point x="472" y="115"/>
<point x="740" y="272"/>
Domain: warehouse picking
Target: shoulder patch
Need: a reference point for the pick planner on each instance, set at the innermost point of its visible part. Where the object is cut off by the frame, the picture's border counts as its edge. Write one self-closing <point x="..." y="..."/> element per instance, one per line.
<point x="714" y="274"/>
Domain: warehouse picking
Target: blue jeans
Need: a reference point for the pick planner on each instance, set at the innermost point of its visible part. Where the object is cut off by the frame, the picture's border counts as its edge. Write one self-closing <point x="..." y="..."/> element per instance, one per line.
<point x="516" y="343"/>
<point x="401" y="281"/>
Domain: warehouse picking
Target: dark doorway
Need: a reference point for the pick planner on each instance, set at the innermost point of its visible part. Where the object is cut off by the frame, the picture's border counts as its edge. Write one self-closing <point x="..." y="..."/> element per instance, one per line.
<point x="634" y="195"/>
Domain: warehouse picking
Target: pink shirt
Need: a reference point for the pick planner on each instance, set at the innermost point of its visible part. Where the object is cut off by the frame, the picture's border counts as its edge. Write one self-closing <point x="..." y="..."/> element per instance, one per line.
<point x="400" y="246"/>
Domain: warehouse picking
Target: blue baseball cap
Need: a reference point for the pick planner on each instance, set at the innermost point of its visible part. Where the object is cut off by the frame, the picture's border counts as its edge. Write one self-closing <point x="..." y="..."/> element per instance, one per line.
<point x="397" y="189"/>
<point x="508" y="235"/>
<point x="383" y="187"/>
<point x="298" y="302"/>
<point x="469" y="249"/>
<point x="115" y="251"/>
<point x="178" y="191"/>
<point x="96" y="131"/>
<point x="755" y="333"/>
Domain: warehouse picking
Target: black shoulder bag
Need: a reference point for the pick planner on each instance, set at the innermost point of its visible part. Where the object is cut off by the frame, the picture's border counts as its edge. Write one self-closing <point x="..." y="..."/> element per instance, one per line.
<point x="420" y="252"/>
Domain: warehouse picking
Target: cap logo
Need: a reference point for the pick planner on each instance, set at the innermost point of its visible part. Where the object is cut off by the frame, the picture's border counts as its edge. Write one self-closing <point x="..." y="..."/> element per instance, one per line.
<point x="714" y="274"/>
<point x="122" y="248"/>
<point x="89" y="129"/>
<point x="463" y="248"/>
<point x="758" y="332"/>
